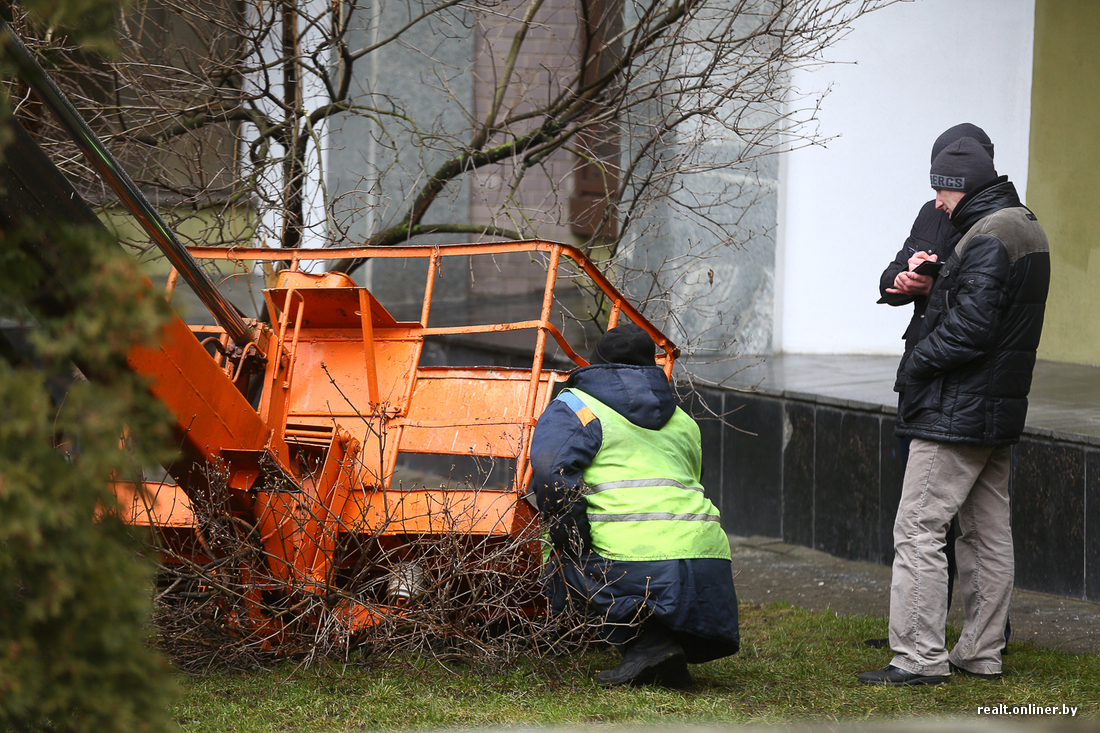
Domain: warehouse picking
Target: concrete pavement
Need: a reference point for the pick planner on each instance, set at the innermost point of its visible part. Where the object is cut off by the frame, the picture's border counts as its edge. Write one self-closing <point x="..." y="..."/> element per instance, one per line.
<point x="767" y="569"/>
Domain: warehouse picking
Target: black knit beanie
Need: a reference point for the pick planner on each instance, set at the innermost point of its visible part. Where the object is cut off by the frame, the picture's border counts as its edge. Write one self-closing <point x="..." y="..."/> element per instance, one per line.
<point x="962" y="166"/>
<point x="625" y="344"/>
<point x="958" y="132"/>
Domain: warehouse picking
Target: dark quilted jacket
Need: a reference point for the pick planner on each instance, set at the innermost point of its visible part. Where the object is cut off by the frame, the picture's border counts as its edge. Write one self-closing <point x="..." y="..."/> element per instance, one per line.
<point x="970" y="372"/>
<point x="933" y="233"/>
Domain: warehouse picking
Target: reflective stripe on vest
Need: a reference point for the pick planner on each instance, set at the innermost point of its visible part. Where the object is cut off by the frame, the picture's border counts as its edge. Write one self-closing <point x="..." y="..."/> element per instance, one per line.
<point x="634" y="516"/>
<point x="641" y="482"/>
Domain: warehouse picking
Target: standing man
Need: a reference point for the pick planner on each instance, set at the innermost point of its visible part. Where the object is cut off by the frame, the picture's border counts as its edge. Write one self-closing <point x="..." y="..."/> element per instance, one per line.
<point x="965" y="401"/>
<point x="615" y="469"/>
<point x="934" y="237"/>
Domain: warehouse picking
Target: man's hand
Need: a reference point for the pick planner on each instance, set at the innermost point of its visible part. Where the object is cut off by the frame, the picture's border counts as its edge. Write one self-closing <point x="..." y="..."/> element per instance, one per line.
<point x="910" y="283"/>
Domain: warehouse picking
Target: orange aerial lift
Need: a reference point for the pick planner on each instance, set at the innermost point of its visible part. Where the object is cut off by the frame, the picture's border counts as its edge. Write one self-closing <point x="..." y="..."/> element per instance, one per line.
<point x="293" y="427"/>
<point x="344" y="396"/>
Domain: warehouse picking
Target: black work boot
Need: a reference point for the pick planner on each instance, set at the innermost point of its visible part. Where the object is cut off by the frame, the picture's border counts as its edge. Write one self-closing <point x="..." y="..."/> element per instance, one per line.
<point x="898" y="677"/>
<point x="654" y="648"/>
<point x="672" y="673"/>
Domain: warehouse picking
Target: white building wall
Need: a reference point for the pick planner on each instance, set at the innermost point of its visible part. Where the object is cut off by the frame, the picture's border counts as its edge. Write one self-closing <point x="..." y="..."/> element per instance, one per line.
<point x="907" y="73"/>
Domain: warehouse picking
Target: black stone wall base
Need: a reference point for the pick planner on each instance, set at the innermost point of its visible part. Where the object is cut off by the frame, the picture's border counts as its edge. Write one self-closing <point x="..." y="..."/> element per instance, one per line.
<point x="828" y="475"/>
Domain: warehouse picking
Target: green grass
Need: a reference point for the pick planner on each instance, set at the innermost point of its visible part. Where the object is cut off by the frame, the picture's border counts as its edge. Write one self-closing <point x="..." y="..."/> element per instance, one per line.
<point x="794" y="665"/>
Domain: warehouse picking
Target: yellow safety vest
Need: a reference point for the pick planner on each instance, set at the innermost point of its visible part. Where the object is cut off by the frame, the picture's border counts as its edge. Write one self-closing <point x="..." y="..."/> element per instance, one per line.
<point x="644" y="498"/>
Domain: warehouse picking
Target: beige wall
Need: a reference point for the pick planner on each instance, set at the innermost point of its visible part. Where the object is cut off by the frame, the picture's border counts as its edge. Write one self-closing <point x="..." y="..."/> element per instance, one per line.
<point x="1064" y="172"/>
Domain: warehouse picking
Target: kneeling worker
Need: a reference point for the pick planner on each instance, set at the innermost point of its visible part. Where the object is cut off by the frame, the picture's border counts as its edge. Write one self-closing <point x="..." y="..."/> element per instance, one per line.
<point x="616" y="468"/>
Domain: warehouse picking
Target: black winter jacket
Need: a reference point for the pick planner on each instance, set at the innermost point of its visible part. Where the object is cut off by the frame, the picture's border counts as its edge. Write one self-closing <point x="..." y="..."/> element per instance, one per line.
<point x="933" y="233"/>
<point x="970" y="371"/>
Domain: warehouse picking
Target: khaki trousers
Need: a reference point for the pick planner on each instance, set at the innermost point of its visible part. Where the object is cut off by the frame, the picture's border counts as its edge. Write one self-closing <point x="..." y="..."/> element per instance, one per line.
<point x="942" y="479"/>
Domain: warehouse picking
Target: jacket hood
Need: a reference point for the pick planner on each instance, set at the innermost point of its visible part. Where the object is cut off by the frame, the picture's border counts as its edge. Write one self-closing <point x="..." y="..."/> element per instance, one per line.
<point x="641" y="394"/>
<point x="981" y="202"/>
